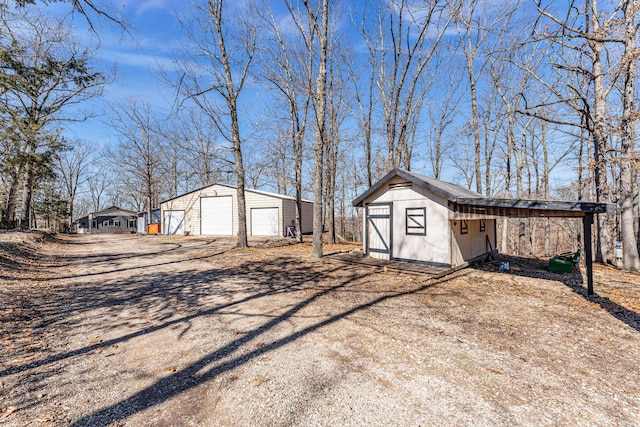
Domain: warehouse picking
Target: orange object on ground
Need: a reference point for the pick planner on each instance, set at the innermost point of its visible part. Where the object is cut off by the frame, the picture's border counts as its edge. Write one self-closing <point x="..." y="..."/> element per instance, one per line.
<point x="153" y="228"/>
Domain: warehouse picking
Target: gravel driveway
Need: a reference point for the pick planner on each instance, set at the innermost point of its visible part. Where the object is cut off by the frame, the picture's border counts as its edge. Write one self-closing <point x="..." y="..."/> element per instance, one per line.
<point x="168" y="331"/>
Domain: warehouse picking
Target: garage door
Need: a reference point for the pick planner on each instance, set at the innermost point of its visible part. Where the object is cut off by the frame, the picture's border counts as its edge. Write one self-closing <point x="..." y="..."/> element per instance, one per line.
<point x="216" y="216"/>
<point x="173" y="222"/>
<point x="264" y="222"/>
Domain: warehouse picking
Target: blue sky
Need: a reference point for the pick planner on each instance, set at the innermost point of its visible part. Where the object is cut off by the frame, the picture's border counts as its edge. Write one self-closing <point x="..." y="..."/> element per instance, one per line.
<point x="154" y="37"/>
<point x="137" y="55"/>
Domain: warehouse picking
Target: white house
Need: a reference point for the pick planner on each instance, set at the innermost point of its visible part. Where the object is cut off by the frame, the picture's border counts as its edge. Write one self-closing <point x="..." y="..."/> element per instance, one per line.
<point x="213" y="211"/>
<point x="410" y="217"/>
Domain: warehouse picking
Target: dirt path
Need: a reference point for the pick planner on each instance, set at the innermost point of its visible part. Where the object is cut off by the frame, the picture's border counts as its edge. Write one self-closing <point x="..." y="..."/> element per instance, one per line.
<point x="125" y="330"/>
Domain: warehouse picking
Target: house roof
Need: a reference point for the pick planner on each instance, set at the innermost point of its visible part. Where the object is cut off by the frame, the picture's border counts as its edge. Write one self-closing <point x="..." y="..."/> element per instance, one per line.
<point x="114" y="211"/>
<point x="461" y="197"/>
<point x="265" y="193"/>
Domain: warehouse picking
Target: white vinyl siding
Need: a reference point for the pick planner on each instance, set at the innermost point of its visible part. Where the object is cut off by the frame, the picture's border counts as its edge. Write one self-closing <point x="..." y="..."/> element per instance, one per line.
<point x="433" y="247"/>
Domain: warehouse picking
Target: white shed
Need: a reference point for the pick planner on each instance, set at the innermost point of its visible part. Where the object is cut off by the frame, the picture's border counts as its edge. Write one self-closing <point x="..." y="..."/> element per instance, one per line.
<point x="410" y="217"/>
<point x="213" y="211"/>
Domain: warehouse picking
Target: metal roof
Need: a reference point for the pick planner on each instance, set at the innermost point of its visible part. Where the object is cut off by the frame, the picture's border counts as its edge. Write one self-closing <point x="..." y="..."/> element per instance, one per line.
<point x="265" y="193"/>
<point x="461" y="196"/>
<point x="445" y="189"/>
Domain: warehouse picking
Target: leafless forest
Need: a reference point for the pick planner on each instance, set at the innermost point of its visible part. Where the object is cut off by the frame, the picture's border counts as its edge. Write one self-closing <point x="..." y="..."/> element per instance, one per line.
<point x="315" y="99"/>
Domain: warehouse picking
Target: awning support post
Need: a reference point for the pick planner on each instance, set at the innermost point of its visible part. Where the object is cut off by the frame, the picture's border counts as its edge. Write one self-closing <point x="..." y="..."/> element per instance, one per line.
<point x="587" y="222"/>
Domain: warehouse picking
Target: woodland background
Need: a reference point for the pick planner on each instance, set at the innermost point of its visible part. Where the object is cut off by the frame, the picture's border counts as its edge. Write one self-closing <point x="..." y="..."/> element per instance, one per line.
<point x="523" y="99"/>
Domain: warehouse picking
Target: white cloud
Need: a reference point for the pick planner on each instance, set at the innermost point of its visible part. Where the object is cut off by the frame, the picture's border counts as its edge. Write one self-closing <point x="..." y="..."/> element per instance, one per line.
<point x="136" y="59"/>
<point x="148" y="5"/>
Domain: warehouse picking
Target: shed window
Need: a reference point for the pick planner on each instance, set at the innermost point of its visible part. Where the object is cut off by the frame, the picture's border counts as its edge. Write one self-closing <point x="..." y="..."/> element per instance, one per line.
<point x="464" y="226"/>
<point x="131" y="223"/>
<point x="416" y="221"/>
<point x="483" y="225"/>
<point x="105" y="223"/>
<point x="94" y="223"/>
<point x="116" y="223"/>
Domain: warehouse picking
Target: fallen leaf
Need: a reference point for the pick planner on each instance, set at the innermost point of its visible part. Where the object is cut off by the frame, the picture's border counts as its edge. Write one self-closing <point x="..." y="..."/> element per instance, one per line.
<point x="234" y="378"/>
<point x="495" y="371"/>
<point x="258" y="381"/>
<point x="171" y="369"/>
<point x="99" y="350"/>
<point x="95" y="340"/>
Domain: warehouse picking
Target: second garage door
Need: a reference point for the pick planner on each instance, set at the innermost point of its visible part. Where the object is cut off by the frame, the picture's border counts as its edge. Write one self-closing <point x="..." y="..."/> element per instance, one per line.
<point x="264" y="222"/>
<point x="216" y="216"/>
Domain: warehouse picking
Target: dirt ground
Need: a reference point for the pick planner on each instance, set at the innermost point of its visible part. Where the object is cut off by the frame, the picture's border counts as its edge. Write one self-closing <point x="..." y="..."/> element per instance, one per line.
<point x="179" y="331"/>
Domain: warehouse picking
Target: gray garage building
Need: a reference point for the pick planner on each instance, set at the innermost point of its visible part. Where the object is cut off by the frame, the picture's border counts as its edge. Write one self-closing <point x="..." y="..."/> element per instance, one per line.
<point x="213" y="211"/>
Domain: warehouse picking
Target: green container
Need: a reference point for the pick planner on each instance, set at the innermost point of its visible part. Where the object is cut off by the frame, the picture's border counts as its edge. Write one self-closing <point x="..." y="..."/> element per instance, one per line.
<point x="564" y="262"/>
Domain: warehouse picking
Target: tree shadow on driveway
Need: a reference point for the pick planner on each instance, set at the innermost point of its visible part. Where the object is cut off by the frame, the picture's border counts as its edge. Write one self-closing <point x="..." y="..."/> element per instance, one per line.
<point x="218" y="362"/>
<point x="178" y="298"/>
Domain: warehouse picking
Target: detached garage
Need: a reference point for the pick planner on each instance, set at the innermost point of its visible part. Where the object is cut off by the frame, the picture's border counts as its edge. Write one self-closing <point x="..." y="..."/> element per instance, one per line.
<point x="213" y="211"/>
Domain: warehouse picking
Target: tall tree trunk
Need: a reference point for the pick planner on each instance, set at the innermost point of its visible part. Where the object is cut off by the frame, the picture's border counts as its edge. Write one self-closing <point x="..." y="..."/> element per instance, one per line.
<point x="476" y="132"/>
<point x="12" y="198"/>
<point x="630" y="258"/>
<point x="299" y="139"/>
<point x="600" y="145"/>
<point x="321" y="108"/>
<point x="520" y="155"/>
<point x="27" y="196"/>
<point x="240" y="180"/>
<point x="367" y="133"/>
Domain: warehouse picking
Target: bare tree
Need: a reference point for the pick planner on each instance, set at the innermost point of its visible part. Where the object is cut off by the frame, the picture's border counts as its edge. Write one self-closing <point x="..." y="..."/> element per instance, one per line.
<point x="138" y="154"/>
<point x="99" y="184"/>
<point x="288" y="67"/>
<point x="337" y="113"/>
<point x="580" y="35"/>
<point x="442" y="114"/>
<point x="73" y="169"/>
<point x="367" y="97"/>
<point x="320" y="20"/>
<point x="408" y="38"/>
<point x="222" y="69"/>
<point x="631" y="260"/>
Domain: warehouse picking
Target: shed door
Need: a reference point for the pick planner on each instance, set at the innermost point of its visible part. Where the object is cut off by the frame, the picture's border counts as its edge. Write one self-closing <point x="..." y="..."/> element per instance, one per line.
<point x="173" y="222"/>
<point x="216" y="216"/>
<point x="379" y="230"/>
<point x="264" y="222"/>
